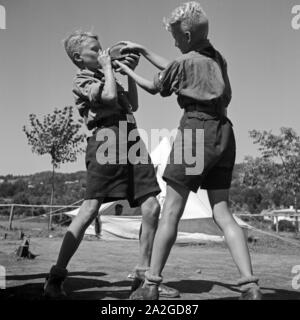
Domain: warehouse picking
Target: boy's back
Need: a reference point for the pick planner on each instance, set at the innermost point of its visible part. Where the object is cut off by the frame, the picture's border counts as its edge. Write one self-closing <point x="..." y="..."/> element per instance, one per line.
<point x="197" y="77"/>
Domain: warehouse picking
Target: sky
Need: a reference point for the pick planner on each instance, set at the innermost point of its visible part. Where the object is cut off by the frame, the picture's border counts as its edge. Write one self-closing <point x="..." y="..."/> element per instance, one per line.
<point x="256" y="37"/>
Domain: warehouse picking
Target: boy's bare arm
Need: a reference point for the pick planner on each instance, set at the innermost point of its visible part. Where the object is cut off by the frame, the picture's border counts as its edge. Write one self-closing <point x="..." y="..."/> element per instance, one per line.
<point x="157" y="60"/>
<point x="109" y="94"/>
<point x="133" y="94"/>
<point x="142" y="82"/>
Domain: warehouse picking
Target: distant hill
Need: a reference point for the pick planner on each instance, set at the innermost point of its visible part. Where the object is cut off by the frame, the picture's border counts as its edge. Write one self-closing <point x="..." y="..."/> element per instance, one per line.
<point x="70" y="188"/>
<point x="36" y="189"/>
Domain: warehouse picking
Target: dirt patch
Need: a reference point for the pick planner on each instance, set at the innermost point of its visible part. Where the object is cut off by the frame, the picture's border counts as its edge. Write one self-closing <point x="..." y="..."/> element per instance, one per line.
<point x="100" y="268"/>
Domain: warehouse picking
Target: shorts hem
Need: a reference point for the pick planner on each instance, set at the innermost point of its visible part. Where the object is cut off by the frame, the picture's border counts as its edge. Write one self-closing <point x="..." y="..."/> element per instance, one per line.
<point x="142" y="194"/>
<point x="118" y="196"/>
<point x="167" y="179"/>
<point x="201" y="186"/>
<point x="225" y="187"/>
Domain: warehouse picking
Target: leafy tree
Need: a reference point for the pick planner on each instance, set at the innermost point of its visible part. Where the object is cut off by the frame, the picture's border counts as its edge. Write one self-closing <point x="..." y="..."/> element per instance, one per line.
<point x="279" y="166"/>
<point x="281" y="156"/>
<point x="253" y="199"/>
<point x="58" y="136"/>
<point x="21" y="198"/>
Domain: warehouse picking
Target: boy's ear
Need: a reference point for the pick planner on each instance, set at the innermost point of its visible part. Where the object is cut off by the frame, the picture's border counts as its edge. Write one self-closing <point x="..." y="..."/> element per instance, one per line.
<point x="77" y="57"/>
<point x="188" y="36"/>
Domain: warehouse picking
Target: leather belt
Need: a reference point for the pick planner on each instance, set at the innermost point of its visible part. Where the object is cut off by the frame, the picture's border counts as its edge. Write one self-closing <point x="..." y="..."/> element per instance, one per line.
<point x="114" y="120"/>
<point x="211" y="110"/>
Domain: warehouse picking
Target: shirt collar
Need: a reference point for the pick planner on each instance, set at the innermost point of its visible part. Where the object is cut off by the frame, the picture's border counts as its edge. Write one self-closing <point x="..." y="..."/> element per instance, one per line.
<point x="86" y="72"/>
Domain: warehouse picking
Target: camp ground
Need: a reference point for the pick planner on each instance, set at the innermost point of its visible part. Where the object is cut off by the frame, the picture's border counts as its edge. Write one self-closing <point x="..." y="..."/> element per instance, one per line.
<point x="102" y="267"/>
<point x="196" y="224"/>
<point x="45" y="142"/>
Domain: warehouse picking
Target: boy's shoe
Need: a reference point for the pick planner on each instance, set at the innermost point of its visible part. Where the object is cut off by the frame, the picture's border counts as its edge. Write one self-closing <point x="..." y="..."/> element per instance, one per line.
<point x="250" y="288"/>
<point x="168" y="292"/>
<point x="53" y="287"/>
<point x="136" y="283"/>
<point x="251" y="294"/>
<point x="145" y="292"/>
<point x="164" y="291"/>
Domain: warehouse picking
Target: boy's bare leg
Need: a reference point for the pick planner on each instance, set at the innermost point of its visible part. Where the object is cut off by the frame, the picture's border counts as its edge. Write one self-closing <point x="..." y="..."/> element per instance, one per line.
<point x="150" y="214"/>
<point x="236" y="242"/>
<point x="150" y="211"/>
<point x="53" y="287"/>
<point x="164" y="239"/>
<point x="87" y="213"/>
<point x="166" y="234"/>
<point x="233" y="233"/>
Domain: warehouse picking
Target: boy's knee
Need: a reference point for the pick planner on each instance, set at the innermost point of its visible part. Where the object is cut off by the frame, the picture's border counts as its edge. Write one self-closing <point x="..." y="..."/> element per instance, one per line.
<point x="172" y="207"/>
<point x="151" y="209"/>
<point x="91" y="206"/>
<point x="89" y="211"/>
<point x="223" y="218"/>
<point x="155" y="207"/>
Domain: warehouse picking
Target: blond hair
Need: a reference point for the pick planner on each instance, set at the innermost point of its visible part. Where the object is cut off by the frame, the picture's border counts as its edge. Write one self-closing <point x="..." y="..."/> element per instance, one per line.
<point x="191" y="16"/>
<point x="74" y="41"/>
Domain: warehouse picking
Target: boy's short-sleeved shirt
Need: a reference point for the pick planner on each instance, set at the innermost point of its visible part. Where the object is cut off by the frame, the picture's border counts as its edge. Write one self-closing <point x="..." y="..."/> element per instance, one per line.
<point x="111" y="181"/>
<point x="200" y="79"/>
<point x="87" y="88"/>
<point x="197" y="77"/>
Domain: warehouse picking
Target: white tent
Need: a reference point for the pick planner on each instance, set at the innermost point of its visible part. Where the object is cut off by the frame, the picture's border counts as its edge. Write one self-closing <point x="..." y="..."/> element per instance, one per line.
<point x="197" y="216"/>
<point x="196" y="223"/>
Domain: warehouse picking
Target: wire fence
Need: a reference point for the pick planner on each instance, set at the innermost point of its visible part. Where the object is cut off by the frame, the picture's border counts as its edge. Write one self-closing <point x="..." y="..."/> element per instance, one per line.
<point x="264" y="223"/>
<point x="60" y="209"/>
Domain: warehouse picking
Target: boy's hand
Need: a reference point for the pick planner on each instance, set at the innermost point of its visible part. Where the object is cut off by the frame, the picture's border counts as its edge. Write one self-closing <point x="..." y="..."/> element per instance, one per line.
<point x="104" y="59"/>
<point x="122" y="68"/>
<point x="132" y="60"/>
<point x="131" y="46"/>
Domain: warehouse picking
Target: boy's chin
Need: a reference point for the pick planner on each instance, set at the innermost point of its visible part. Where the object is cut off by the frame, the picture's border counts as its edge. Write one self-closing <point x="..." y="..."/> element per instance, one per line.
<point x="94" y="67"/>
<point x="184" y="50"/>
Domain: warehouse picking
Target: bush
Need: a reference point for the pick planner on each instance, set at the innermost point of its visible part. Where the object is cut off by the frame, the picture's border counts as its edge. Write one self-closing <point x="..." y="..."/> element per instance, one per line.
<point x="285" y="225"/>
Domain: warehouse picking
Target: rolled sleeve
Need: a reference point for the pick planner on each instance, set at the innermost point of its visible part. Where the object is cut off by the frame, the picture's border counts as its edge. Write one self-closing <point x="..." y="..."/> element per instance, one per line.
<point x="89" y="89"/>
<point x="167" y="81"/>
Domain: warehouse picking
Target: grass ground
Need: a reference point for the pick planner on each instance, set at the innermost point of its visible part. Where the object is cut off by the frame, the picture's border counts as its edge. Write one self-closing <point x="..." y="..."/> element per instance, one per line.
<point x="99" y="269"/>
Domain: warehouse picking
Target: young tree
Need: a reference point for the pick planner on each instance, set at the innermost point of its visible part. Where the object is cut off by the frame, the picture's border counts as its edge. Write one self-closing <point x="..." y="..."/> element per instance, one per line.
<point x="58" y="136"/>
<point x="279" y="167"/>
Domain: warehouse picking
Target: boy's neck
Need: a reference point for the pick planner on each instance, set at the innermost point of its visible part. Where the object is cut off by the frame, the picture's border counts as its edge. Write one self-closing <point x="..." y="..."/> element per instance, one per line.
<point x="92" y="70"/>
<point x="200" y="44"/>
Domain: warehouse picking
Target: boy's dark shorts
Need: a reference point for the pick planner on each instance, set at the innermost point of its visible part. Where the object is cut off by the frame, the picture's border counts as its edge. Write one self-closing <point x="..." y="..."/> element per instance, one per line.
<point x="118" y="180"/>
<point x="216" y="152"/>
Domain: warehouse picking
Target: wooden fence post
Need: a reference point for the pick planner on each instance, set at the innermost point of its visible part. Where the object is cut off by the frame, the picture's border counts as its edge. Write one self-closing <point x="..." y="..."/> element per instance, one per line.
<point x="277" y="224"/>
<point x="11" y="216"/>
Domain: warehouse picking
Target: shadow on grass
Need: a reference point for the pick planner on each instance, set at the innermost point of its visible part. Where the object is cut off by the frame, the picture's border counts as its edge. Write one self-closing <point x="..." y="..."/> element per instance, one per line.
<point x="199" y="286"/>
<point x="280" y="294"/>
<point x="78" y="285"/>
<point x="204" y="286"/>
<point x="43" y="275"/>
